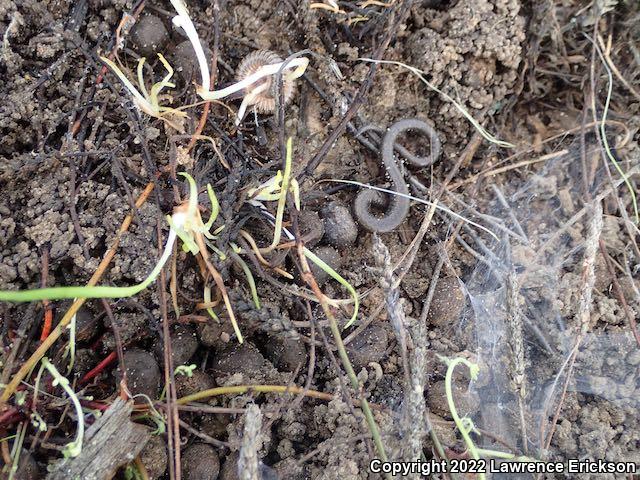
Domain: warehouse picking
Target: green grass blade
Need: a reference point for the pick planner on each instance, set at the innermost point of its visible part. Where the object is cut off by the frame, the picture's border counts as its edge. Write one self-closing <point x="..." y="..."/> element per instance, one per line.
<point x="336" y="276"/>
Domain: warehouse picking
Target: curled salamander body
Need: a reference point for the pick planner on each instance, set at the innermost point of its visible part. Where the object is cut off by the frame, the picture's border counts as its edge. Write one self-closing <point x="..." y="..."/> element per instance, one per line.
<point x="398" y="206"/>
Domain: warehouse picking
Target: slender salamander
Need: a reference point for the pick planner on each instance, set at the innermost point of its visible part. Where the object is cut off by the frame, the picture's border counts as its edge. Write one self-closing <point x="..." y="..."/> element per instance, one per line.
<point x="398" y="206"/>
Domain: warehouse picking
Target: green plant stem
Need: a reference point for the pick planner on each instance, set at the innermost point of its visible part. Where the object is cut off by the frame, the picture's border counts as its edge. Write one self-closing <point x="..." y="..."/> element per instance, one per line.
<point x="346" y="363"/>
<point x="284" y="188"/>
<point x="464" y="431"/>
<point x="74" y="448"/>
<point x="17" y="450"/>
<point x="241" y="389"/>
<point x="250" y="279"/>
<point x="57" y="293"/>
<point x="605" y="140"/>
<point x="336" y="276"/>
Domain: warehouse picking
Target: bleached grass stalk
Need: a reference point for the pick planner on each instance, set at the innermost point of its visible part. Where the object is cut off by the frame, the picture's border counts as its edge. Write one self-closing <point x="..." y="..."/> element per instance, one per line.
<point x="330" y="6"/>
<point x="294" y="68"/>
<point x="420" y="74"/>
<point x="183" y="20"/>
<point x="74" y="448"/>
<point x="282" y="200"/>
<point x="297" y="67"/>
<point x="17" y="450"/>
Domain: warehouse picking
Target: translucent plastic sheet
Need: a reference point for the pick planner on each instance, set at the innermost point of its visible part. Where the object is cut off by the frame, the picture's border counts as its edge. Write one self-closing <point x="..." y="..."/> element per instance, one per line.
<point x="541" y="253"/>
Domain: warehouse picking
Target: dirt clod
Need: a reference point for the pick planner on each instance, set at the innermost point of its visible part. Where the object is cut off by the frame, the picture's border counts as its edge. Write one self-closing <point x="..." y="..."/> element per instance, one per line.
<point x="200" y="462"/>
<point x="185" y="62"/>
<point x="216" y="334"/>
<point x="448" y="301"/>
<point x="149" y="35"/>
<point x="368" y="346"/>
<point x="466" y="399"/>
<point x="184" y="344"/>
<point x="244" y="359"/>
<point x="143" y="373"/>
<point x="154" y="457"/>
<point x="340" y="230"/>
<point x="285" y="352"/>
<point x="197" y="382"/>
<point x="311" y="228"/>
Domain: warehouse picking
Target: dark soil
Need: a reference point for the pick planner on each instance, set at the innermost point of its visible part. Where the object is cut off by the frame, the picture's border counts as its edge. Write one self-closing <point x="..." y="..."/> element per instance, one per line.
<point x="539" y="268"/>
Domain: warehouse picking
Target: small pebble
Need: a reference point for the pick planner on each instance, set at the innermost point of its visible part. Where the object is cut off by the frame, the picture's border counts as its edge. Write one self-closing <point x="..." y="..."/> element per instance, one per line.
<point x="154" y="457"/>
<point x="216" y="334"/>
<point x="184" y="344"/>
<point x="185" y="62"/>
<point x="200" y="462"/>
<point x="143" y="373"/>
<point x="149" y="35"/>
<point x="467" y="401"/>
<point x="368" y="346"/>
<point x="285" y="352"/>
<point x="448" y="301"/>
<point x="328" y="255"/>
<point x="340" y="230"/>
<point x="197" y="382"/>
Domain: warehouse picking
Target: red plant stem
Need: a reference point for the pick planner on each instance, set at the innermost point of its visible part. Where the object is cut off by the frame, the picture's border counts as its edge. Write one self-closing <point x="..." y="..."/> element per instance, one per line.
<point x="48" y="320"/>
<point x="48" y="310"/>
<point x="5" y="418"/>
<point x="95" y="405"/>
<point x="112" y="357"/>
